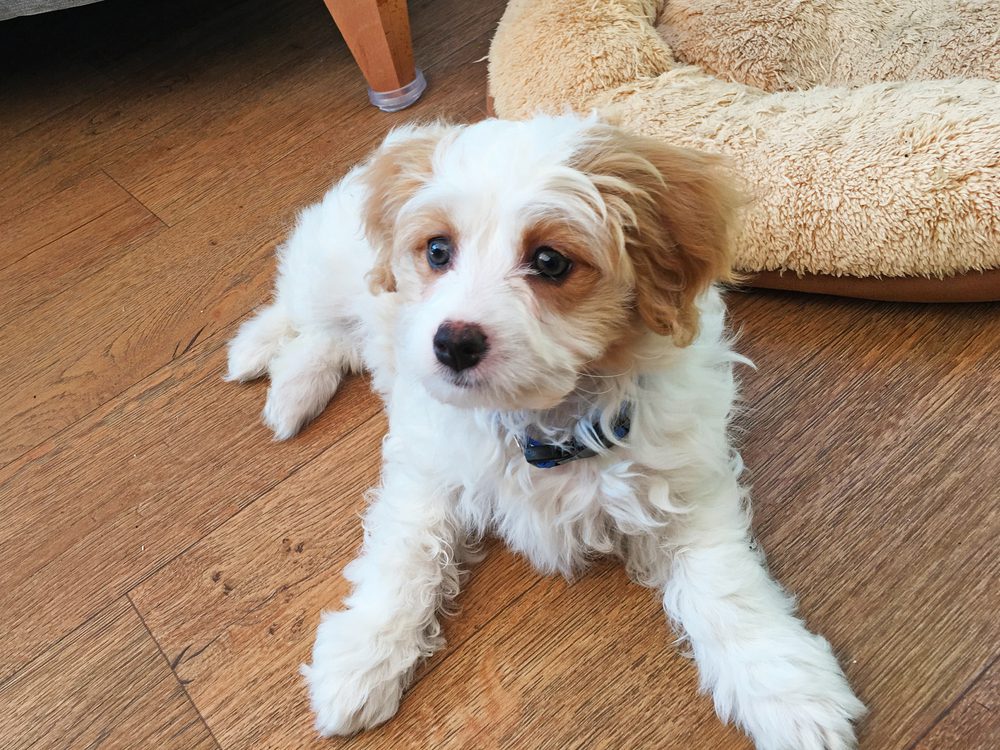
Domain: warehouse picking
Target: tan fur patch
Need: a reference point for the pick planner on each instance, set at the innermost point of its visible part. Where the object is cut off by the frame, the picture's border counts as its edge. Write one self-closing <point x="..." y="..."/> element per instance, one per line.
<point x="620" y="355"/>
<point x="674" y="212"/>
<point x="594" y="296"/>
<point x="561" y="295"/>
<point x="393" y="175"/>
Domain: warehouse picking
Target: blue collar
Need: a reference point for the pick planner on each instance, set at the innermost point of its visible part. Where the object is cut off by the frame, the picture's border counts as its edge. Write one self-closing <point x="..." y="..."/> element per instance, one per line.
<point x="548" y="455"/>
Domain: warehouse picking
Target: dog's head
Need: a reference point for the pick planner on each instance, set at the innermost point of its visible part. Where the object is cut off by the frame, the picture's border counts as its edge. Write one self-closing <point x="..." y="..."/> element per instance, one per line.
<point x="528" y="253"/>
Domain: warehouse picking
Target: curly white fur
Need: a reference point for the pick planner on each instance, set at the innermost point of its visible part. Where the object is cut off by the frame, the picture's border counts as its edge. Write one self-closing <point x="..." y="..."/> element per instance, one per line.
<point x="666" y="500"/>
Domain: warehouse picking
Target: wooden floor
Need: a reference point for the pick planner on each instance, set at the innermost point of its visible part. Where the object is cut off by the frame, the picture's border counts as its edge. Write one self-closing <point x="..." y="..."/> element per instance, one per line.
<point x="163" y="563"/>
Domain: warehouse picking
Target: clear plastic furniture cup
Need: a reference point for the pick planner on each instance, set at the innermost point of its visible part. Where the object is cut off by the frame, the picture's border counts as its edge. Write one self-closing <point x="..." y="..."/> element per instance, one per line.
<point x="393" y="101"/>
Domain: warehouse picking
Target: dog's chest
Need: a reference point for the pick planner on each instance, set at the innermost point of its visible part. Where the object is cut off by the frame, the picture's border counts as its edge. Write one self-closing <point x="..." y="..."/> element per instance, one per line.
<point x="557" y="517"/>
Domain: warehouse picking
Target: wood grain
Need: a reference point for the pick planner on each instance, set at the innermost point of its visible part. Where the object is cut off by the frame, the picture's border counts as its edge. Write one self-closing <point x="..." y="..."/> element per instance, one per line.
<point x="106" y="685"/>
<point x="58" y="215"/>
<point x="590" y="664"/>
<point x="163" y="61"/>
<point x="28" y="67"/>
<point x="54" y="268"/>
<point x="126" y="465"/>
<point x="140" y="311"/>
<point x="871" y="488"/>
<point x="124" y="491"/>
<point x="973" y="721"/>
<point x="173" y="169"/>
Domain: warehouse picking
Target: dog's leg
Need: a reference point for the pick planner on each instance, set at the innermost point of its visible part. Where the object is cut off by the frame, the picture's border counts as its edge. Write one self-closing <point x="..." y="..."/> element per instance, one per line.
<point x="258" y="342"/>
<point x="305" y="368"/>
<point x="304" y="376"/>
<point x="308" y="337"/>
<point x="765" y="671"/>
<point x="364" y="656"/>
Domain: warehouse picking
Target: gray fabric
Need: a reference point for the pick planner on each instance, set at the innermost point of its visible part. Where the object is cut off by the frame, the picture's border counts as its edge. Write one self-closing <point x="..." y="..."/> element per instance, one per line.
<point x="14" y="8"/>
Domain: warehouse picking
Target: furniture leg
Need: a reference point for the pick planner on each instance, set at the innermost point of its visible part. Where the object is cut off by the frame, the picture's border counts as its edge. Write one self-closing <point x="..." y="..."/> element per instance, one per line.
<point x="378" y="35"/>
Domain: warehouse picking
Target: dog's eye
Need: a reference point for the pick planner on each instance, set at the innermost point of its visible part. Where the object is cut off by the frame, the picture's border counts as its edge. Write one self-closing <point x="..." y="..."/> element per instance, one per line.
<point x="438" y="252"/>
<point x="550" y="263"/>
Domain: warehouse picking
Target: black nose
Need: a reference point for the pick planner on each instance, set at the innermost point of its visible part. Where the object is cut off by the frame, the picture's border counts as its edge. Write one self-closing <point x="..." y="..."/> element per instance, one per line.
<point x="459" y="345"/>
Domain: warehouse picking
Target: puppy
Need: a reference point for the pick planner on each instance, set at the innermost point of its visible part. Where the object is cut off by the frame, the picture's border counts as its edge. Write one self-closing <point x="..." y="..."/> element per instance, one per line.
<point x="535" y="303"/>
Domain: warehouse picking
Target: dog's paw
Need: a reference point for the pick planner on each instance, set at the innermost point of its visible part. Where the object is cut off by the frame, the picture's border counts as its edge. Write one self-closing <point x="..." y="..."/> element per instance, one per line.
<point x="294" y="401"/>
<point x="353" y="685"/>
<point x="283" y="414"/>
<point x="345" y="703"/>
<point x="257" y="343"/>
<point x="805" y="722"/>
<point x="800" y="703"/>
<point x="304" y="377"/>
<point x="246" y="360"/>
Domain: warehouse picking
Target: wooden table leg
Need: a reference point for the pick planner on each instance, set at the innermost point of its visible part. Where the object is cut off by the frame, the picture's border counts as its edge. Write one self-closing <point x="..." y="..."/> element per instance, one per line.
<point x="378" y="34"/>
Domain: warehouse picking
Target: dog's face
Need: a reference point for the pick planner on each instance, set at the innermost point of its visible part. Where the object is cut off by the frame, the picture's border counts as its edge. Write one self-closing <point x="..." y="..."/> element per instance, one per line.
<point x="526" y="254"/>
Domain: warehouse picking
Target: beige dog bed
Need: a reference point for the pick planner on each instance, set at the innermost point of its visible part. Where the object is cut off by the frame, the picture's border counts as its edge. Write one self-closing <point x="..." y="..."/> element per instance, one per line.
<point x="867" y="131"/>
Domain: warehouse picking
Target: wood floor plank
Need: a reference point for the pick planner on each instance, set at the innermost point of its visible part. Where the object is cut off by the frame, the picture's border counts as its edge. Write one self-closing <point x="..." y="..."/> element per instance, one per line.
<point x="297" y="532"/>
<point x="105" y="685"/>
<point x="141" y="310"/>
<point x="26" y="110"/>
<point x="190" y="60"/>
<point x="591" y="664"/>
<point x="28" y="67"/>
<point x="119" y="495"/>
<point x="224" y="144"/>
<point x="58" y="215"/>
<point x="130" y="318"/>
<point x="81" y="252"/>
<point x="973" y="722"/>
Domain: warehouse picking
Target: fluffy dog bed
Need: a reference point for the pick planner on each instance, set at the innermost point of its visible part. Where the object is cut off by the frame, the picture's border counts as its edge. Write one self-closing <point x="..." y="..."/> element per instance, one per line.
<point x="867" y="131"/>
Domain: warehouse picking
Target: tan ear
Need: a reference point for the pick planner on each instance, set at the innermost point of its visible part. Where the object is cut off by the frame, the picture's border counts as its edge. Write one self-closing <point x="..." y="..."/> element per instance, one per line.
<point x="674" y="211"/>
<point x="393" y="174"/>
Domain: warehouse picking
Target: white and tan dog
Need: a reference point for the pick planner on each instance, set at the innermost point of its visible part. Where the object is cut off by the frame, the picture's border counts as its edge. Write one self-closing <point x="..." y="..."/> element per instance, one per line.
<point x="535" y="303"/>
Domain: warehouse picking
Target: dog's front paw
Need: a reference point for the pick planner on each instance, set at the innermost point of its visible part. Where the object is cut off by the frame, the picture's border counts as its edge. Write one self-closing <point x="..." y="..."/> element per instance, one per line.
<point x="345" y="702"/>
<point x="800" y="703"/>
<point x="245" y="360"/>
<point x="296" y="398"/>
<point x="285" y="413"/>
<point x="806" y="722"/>
<point x="353" y="684"/>
<point x="303" y="380"/>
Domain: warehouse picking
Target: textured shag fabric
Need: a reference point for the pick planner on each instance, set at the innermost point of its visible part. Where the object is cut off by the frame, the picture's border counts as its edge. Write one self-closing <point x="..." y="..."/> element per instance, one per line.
<point x="867" y="131"/>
